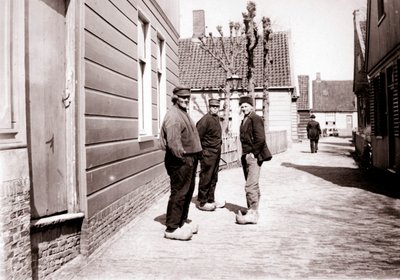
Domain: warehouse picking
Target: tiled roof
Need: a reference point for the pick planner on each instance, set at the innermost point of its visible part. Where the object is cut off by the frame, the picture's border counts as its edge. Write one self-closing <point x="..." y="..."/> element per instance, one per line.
<point x="333" y="96"/>
<point x="302" y="102"/>
<point x="198" y="69"/>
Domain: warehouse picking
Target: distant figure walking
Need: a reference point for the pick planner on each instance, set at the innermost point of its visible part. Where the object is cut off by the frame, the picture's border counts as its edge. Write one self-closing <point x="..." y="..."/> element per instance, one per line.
<point x="313" y="133"/>
<point x="210" y="133"/>
<point x="181" y="142"/>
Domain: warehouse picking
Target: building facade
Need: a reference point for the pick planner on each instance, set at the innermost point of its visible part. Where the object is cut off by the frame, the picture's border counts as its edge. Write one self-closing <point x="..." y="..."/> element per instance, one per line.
<point x="383" y="68"/>
<point x="85" y="85"/>
<point x="303" y="105"/>
<point x="362" y="136"/>
<point x="334" y="105"/>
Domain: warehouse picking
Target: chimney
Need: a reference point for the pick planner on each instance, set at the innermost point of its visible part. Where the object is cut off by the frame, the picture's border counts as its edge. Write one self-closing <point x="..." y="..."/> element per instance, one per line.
<point x="318" y="77"/>
<point x="199" y="26"/>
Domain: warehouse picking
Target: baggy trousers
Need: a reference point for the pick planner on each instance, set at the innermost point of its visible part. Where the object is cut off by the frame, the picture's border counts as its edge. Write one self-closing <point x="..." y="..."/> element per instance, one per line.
<point x="314" y="145"/>
<point x="251" y="171"/>
<point x="182" y="175"/>
<point x="208" y="175"/>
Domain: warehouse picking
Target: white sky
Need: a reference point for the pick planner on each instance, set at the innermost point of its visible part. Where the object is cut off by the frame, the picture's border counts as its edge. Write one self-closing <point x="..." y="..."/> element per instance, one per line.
<point x="322" y="30"/>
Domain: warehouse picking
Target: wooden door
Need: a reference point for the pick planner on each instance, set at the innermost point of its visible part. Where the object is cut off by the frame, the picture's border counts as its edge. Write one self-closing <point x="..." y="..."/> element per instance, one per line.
<point x="46" y="76"/>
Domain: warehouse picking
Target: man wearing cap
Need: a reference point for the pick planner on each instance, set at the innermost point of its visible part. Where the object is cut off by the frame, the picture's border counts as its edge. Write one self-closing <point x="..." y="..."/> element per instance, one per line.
<point x="180" y="140"/>
<point x="210" y="133"/>
<point x="313" y="132"/>
<point x="252" y="137"/>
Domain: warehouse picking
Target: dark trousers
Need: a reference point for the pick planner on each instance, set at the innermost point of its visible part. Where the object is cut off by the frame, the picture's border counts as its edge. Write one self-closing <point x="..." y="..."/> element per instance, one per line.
<point x="208" y="175"/>
<point x="314" y="145"/>
<point x="182" y="175"/>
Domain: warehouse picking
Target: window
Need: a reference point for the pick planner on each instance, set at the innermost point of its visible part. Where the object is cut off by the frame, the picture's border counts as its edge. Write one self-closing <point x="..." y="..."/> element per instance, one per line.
<point x="330" y="119"/>
<point x="12" y="77"/>
<point x="259" y="106"/>
<point x="380" y="105"/>
<point x="161" y="80"/>
<point x="381" y="10"/>
<point x="144" y="78"/>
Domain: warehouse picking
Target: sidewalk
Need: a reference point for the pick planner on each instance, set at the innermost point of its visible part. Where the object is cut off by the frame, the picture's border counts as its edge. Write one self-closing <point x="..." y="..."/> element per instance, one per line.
<point x="320" y="218"/>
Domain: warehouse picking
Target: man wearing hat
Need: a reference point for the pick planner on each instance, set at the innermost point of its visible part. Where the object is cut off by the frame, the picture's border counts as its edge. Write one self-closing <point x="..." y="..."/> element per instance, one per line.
<point x="313" y="133"/>
<point x="210" y="133"/>
<point x="180" y="140"/>
<point x="252" y="137"/>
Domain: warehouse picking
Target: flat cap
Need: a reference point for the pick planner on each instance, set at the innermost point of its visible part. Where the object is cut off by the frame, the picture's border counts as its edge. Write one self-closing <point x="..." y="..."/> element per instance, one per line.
<point x="181" y="91"/>
<point x="246" y="99"/>
<point x="213" y="102"/>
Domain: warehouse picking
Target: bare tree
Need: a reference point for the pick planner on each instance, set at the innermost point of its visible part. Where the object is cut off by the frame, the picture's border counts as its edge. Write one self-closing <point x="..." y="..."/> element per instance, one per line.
<point x="267" y="31"/>
<point x="226" y="51"/>
<point x="251" y="43"/>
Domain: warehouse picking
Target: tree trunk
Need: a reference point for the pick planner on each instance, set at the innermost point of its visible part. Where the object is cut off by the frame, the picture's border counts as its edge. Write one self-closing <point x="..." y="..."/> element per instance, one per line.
<point x="227" y="106"/>
<point x="266" y="33"/>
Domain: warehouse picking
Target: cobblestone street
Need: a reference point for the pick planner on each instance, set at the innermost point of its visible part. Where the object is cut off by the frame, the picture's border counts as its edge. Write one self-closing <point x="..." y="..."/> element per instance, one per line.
<point x="321" y="217"/>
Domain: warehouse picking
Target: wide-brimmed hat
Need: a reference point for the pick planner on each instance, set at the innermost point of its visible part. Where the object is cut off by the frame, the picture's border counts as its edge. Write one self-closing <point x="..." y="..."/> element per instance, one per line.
<point x="312" y="116"/>
<point x="181" y="91"/>
<point x="246" y="99"/>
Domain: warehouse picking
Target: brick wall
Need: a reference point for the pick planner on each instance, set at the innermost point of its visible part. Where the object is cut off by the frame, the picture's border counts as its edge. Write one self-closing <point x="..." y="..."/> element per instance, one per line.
<point x="54" y="242"/>
<point x="107" y="222"/>
<point x="15" y="251"/>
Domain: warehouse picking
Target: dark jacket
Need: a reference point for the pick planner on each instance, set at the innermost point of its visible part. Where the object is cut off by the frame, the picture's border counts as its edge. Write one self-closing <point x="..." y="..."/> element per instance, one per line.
<point x="252" y="134"/>
<point x="210" y="131"/>
<point x="313" y="130"/>
<point x="179" y="133"/>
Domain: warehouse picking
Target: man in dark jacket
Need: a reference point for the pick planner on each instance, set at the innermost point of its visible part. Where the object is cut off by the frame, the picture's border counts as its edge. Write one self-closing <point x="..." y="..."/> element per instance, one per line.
<point x="313" y="133"/>
<point x="210" y="134"/>
<point x="252" y="137"/>
<point x="180" y="139"/>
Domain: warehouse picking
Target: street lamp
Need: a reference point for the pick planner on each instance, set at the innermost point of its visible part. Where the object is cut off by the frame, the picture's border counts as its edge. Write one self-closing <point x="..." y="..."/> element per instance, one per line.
<point x="233" y="82"/>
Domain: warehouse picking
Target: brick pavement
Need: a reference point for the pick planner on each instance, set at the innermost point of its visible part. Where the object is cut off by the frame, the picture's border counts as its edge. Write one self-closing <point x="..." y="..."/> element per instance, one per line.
<point x="321" y="217"/>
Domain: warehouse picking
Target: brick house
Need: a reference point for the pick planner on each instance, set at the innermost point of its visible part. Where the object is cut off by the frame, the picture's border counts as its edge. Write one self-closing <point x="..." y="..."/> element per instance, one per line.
<point x="199" y="70"/>
<point x="334" y="105"/>
<point x="84" y="86"/>
<point x="383" y="68"/>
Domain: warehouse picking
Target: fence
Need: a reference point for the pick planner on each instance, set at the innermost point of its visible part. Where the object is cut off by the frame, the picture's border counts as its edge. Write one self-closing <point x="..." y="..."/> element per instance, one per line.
<point x="231" y="148"/>
<point x="277" y="141"/>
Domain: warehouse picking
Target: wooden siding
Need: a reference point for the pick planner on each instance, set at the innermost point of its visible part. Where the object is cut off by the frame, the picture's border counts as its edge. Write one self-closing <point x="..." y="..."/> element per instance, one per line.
<point x="107" y="196"/>
<point x="116" y="161"/>
<point x="280" y="117"/>
<point x="101" y="104"/>
<point x="101" y="154"/>
<point x="100" y="130"/>
<point x="104" y="176"/>
<point x="384" y="36"/>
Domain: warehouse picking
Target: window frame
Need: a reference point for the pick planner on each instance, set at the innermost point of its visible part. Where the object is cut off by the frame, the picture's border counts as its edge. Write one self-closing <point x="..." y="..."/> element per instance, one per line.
<point x="381" y="11"/>
<point x="12" y="76"/>
<point x="161" y="80"/>
<point x="145" y="131"/>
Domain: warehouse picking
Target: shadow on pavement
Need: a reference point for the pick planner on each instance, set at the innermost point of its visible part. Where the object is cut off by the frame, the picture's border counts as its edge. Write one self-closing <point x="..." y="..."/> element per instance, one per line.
<point x="339" y="152"/>
<point x="235" y="208"/>
<point x="350" y="144"/>
<point x="161" y="219"/>
<point x="370" y="181"/>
